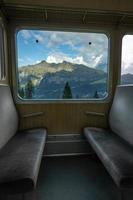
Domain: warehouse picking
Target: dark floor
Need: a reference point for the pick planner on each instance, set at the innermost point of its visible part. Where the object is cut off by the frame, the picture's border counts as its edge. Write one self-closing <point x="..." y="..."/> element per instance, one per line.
<point x="73" y="178"/>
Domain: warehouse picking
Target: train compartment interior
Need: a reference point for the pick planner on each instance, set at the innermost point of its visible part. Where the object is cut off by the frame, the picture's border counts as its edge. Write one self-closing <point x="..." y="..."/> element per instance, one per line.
<point x="66" y="90"/>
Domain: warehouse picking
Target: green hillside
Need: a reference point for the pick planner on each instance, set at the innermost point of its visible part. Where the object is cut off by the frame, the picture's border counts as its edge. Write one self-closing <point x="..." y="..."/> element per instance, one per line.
<point x="49" y="80"/>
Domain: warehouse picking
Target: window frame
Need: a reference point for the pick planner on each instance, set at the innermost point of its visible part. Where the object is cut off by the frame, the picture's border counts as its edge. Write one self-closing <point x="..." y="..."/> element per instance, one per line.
<point x="106" y="99"/>
<point x="2" y="54"/>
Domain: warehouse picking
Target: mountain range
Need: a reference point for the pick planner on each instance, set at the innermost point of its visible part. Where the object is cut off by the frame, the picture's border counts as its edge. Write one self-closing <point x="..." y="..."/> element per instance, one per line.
<point x="49" y="80"/>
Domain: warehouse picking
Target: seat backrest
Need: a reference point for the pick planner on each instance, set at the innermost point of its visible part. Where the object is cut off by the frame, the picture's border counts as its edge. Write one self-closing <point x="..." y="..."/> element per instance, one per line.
<point x="121" y="113"/>
<point x="8" y="115"/>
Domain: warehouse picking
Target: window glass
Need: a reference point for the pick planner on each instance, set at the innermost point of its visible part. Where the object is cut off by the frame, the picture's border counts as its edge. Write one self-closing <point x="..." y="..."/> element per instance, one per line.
<point x="2" y="63"/>
<point x="62" y="65"/>
<point x="127" y="60"/>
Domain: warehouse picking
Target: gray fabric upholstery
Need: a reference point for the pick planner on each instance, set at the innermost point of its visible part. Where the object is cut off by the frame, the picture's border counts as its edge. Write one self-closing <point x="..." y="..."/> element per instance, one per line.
<point x="121" y="114"/>
<point x="20" y="161"/>
<point x="115" y="146"/>
<point x="114" y="153"/>
<point x="8" y="115"/>
<point x="20" y="153"/>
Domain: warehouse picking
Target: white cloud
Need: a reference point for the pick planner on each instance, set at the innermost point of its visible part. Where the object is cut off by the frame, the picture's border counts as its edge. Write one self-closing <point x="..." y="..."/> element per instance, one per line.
<point x="39" y="37"/>
<point x="59" y="58"/>
<point x="70" y="47"/>
<point x="128" y="69"/>
<point x="97" y="60"/>
<point x="84" y="53"/>
<point x="26" y="34"/>
<point x="20" y="59"/>
<point x="27" y="61"/>
<point x="63" y="38"/>
<point x="127" y="54"/>
<point x="38" y="61"/>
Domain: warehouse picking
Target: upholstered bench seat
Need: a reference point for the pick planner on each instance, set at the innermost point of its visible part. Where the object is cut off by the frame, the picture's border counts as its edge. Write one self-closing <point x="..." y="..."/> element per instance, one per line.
<point x="114" y="146"/>
<point x="115" y="154"/>
<point x="20" y="161"/>
<point x="20" y="152"/>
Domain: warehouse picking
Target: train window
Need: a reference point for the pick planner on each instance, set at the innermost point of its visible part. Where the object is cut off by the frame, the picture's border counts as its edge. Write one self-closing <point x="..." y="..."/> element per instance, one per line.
<point x="2" y="58"/>
<point x="127" y="60"/>
<point x="62" y="65"/>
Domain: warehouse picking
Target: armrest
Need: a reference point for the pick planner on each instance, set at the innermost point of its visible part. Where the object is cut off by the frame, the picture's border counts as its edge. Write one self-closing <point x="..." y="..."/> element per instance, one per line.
<point x="34" y="114"/>
<point x="95" y="114"/>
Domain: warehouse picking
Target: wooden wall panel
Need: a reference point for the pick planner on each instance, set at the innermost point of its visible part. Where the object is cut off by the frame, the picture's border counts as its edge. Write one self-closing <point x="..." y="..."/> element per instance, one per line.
<point x="66" y="118"/>
<point x="63" y="118"/>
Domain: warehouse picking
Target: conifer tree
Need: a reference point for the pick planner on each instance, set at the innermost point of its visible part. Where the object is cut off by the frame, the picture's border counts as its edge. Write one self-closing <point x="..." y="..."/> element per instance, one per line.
<point x="29" y="90"/>
<point x="67" y="94"/>
<point x="96" y="96"/>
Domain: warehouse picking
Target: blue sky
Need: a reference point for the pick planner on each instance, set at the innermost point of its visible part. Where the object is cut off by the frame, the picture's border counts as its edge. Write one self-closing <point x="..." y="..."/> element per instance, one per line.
<point x="34" y="46"/>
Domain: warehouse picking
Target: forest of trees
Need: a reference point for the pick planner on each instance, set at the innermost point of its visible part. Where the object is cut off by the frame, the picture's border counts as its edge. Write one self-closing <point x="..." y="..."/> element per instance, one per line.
<point x="27" y="91"/>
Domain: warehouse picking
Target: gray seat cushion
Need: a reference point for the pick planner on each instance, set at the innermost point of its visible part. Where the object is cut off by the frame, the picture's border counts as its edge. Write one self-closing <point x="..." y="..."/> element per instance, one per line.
<point x="115" y="154"/>
<point x="8" y="115"/>
<point x="121" y="113"/>
<point x="20" y="161"/>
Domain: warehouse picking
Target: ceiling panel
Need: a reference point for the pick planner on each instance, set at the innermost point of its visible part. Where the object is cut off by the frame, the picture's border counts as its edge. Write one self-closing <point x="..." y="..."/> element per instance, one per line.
<point x="111" y="5"/>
